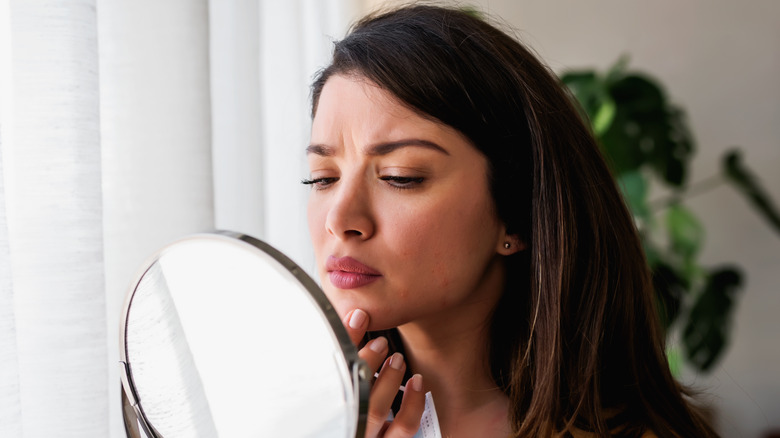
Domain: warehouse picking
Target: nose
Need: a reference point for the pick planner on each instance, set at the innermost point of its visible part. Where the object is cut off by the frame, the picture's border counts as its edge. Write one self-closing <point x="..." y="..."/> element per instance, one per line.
<point x="350" y="215"/>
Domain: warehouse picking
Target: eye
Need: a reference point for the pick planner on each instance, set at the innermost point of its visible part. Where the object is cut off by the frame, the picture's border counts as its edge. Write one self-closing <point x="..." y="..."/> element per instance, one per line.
<point x="402" y="182"/>
<point x="320" y="183"/>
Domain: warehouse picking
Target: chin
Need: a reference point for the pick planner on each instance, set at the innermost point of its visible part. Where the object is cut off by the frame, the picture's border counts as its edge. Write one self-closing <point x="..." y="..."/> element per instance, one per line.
<point x="344" y="304"/>
<point x="382" y="320"/>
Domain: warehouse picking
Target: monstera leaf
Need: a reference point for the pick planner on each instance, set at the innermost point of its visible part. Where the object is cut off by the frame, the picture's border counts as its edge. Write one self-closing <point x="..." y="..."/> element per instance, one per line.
<point x="707" y="329"/>
<point x="636" y="125"/>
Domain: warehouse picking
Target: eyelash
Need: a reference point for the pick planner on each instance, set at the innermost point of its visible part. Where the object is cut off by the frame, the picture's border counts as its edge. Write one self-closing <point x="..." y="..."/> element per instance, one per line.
<point x="319" y="183"/>
<point x="403" y="182"/>
<point x="398" y="182"/>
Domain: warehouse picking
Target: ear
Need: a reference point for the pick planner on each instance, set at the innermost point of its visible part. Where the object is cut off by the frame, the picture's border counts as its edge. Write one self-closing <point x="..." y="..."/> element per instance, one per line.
<point x="510" y="244"/>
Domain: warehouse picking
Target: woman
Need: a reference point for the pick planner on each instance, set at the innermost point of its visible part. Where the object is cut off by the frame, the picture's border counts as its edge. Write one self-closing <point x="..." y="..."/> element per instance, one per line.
<point x="466" y="226"/>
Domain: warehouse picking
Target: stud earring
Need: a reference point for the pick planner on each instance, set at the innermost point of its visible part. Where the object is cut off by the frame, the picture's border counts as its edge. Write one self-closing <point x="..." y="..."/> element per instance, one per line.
<point x="507" y="245"/>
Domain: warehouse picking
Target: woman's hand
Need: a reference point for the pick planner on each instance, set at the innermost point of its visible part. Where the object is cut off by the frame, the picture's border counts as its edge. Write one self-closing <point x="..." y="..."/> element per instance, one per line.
<point x="385" y="387"/>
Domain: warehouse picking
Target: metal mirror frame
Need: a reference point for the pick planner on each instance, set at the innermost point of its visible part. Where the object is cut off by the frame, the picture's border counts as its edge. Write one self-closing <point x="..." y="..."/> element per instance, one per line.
<point x="358" y="369"/>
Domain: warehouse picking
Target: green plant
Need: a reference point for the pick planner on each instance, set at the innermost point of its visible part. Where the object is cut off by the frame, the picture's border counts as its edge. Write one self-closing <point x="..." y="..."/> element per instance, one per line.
<point x="648" y="143"/>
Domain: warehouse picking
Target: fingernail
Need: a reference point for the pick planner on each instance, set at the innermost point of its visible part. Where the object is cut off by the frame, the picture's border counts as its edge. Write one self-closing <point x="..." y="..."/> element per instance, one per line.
<point x="396" y="361"/>
<point x="378" y="345"/>
<point x="417" y="382"/>
<point x="358" y="319"/>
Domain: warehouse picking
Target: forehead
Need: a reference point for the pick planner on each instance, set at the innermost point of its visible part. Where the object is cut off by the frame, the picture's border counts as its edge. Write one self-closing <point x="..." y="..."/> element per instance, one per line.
<point x="346" y="91"/>
<point x="357" y="107"/>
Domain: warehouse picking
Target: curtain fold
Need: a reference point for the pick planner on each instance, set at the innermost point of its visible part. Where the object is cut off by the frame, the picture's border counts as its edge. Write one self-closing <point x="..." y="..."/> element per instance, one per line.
<point x="10" y="406"/>
<point x="237" y="125"/>
<point x="54" y="209"/>
<point x="10" y="421"/>
<point x="156" y="140"/>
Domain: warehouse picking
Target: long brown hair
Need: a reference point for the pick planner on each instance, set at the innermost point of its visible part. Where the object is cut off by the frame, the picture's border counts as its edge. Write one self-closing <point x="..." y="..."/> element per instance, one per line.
<point x="575" y="340"/>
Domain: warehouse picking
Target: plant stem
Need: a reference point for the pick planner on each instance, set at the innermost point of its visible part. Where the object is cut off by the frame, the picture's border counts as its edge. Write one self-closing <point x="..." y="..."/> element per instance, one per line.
<point x="695" y="189"/>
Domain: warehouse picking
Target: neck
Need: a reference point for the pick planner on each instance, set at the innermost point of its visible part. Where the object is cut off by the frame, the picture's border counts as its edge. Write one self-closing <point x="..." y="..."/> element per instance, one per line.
<point x="451" y="352"/>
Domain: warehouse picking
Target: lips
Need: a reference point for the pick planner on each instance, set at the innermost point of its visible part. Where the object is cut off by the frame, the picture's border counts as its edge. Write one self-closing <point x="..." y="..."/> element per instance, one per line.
<point x="348" y="273"/>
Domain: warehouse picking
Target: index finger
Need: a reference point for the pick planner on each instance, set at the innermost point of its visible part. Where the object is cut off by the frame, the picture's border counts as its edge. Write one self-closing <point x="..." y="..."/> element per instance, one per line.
<point x="356" y="323"/>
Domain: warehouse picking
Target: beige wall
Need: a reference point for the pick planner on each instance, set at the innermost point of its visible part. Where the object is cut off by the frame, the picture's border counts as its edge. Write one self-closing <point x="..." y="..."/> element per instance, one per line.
<point x="721" y="61"/>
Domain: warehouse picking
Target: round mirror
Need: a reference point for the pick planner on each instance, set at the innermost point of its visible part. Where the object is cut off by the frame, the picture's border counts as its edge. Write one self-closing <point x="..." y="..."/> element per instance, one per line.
<point x="222" y="335"/>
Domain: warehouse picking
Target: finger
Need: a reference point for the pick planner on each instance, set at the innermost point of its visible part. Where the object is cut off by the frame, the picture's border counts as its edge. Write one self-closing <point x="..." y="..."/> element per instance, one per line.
<point x="383" y="393"/>
<point x="407" y="422"/>
<point x="356" y="323"/>
<point x="374" y="353"/>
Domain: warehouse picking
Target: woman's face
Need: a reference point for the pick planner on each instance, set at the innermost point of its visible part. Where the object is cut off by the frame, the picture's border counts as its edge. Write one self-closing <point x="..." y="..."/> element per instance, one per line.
<point x="400" y="214"/>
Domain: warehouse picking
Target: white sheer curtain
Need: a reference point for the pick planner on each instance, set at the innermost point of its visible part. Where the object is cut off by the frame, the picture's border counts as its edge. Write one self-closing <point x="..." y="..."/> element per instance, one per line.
<point x="53" y="272"/>
<point x="124" y="125"/>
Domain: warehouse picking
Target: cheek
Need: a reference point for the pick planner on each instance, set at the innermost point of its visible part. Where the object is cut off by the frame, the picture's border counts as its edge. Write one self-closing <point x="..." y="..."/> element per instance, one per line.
<point x="446" y="240"/>
<point x="315" y="216"/>
<point x="415" y="238"/>
<point x="461" y="223"/>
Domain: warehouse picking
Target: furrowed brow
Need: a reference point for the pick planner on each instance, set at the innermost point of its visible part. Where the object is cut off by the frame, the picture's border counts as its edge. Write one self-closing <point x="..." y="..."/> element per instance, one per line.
<point x="386" y="148"/>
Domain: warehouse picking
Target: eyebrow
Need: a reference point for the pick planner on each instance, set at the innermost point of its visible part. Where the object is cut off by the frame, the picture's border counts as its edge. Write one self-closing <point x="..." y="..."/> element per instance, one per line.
<point x="379" y="149"/>
<point x="319" y="149"/>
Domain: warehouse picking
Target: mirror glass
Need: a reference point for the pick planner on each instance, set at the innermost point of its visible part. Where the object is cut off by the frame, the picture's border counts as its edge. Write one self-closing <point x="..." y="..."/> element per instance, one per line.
<point x="224" y="336"/>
